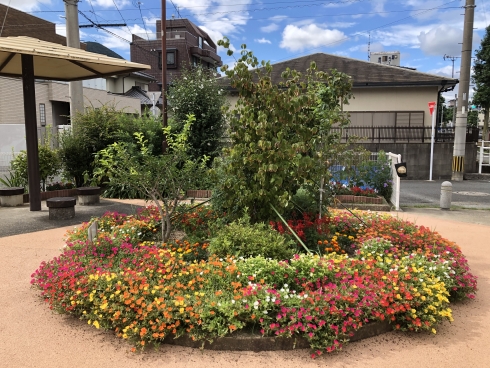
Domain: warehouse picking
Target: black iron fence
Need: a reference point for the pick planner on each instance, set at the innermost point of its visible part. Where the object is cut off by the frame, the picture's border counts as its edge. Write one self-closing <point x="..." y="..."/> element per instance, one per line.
<point x="394" y="134"/>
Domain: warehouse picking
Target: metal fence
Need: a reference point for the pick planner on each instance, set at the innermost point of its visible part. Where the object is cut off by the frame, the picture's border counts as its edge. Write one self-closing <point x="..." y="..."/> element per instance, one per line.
<point x="396" y="134"/>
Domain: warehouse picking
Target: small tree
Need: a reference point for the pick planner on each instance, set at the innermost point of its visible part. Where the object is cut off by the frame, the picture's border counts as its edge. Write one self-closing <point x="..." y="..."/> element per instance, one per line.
<point x="162" y="178"/>
<point x="197" y="92"/>
<point x="280" y="133"/>
<point x="49" y="163"/>
<point x="95" y="129"/>
<point x="481" y="78"/>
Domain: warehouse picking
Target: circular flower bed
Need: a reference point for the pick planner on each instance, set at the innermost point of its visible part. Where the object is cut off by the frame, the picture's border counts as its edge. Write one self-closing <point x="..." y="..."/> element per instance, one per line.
<point x="145" y="291"/>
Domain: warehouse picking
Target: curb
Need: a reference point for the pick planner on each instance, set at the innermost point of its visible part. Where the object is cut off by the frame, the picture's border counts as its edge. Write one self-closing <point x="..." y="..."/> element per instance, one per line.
<point x="247" y="341"/>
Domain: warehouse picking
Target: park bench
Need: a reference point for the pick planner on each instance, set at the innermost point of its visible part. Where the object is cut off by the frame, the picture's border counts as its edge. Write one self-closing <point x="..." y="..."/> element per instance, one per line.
<point x="11" y="197"/>
<point x="61" y="208"/>
<point x="88" y="195"/>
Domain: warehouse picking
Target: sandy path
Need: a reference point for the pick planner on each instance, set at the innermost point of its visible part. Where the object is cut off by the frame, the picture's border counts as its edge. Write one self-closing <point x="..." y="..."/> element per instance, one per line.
<point x="33" y="336"/>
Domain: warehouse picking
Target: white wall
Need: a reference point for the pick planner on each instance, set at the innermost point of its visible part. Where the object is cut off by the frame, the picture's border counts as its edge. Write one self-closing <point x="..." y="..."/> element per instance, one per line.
<point x="387" y="99"/>
<point x="12" y="136"/>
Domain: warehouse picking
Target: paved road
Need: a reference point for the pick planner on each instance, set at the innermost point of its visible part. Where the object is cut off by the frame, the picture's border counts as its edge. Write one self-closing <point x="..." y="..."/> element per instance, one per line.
<point x="466" y="194"/>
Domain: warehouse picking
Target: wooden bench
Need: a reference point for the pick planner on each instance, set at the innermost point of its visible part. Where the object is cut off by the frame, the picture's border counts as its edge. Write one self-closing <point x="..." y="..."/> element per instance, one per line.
<point x="61" y="208"/>
<point x="11" y="197"/>
<point x="88" y="195"/>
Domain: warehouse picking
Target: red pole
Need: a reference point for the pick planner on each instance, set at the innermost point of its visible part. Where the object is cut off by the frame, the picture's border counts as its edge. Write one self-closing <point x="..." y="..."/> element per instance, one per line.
<point x="164" y="70"/>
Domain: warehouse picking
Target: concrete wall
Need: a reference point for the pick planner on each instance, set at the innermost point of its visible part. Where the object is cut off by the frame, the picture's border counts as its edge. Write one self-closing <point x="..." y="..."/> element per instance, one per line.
<point x="393" y="99"/>
<point x="417" y="157"/>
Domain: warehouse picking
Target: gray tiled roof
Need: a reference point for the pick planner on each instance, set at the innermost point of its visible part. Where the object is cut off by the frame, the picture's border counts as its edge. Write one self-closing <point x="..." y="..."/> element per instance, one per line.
<point x="363" y="73"/>
<point x="137" y="92"/>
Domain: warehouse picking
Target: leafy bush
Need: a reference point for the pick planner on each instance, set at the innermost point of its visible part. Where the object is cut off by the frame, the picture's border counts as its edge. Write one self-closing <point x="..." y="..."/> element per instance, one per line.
<point x="49" y="165"/>
<point x="241" y="239"/>
<point x="197" y="92"/>
<point x="59" y="186"/>
<point x="96" y="129"/>
<point x="377" y="175"/>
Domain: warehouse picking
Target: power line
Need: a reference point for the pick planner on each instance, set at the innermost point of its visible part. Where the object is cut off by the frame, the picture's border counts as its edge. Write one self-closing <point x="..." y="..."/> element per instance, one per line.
<point x="144" y="24"/>
<point x="5" y="18"/>
<point x="325" y="15"/>
<point x="93" y="12"/>
<point x="177" y="9"/>
<point x="114" y="1"/>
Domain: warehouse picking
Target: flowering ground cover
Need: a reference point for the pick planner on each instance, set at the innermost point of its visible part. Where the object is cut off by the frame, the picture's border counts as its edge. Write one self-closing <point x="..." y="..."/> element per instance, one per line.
<point x="380" y="268"/>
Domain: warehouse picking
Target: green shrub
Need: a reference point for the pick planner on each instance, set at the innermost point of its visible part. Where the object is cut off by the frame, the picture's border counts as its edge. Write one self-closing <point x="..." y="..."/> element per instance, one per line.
<point x="49" y="165"/>
<point x="242" y="239"/>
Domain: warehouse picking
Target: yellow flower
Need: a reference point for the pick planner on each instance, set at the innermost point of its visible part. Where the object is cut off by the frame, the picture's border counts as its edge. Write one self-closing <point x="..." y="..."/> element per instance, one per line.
<point x="434" y="331"/>
<point x="96" y="324"/>
<point x="103" y="306"/>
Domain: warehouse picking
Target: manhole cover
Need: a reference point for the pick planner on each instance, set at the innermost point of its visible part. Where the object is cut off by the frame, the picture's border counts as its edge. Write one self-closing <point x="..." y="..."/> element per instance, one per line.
<point x="476" y="194"/>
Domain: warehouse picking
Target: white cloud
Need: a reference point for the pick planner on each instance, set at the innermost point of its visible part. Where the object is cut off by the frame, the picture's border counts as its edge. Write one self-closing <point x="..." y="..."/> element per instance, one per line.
<point x="270" y="28"/>
<point x="341" y="24"/>
<point x="445" y="71"/>
<point x="378" y="6"/>
<point x="262" y="40"/>
<point x="215" y="16"/>
<point x="278" y="18"/>
<point x="298" y="39"/>
<point x="110" y="3"/>
<point x="443" y="40"/>
<point x="26" y="5"/>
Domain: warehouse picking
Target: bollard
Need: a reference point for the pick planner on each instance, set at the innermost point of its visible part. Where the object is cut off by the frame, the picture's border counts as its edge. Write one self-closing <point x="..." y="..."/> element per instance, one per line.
<point x="446" y="195"/>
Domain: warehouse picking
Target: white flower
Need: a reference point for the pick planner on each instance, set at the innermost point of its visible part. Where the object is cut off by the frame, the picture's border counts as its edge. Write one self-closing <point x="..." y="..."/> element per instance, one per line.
<point x="233" y="301"/>
<point x="256" y="302"/>
<point x="265" y="312"/>
<point x="286" y="285"/>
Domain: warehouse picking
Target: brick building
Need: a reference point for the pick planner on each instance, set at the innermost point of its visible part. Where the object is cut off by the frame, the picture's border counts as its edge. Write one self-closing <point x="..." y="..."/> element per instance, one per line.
<point x="18" y="23"/>
<point x="187" y="45"/>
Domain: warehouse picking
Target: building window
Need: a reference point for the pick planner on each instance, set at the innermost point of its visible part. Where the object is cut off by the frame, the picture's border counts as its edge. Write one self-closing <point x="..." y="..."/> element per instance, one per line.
<point x="42" y="114"/>
<point x="171" y="58"/>
<point x="199" y="40"/>
<point x="385" y="58"/>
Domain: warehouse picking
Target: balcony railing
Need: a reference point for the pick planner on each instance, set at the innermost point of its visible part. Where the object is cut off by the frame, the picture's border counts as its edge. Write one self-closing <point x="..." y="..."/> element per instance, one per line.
<point x="392" y="134"/>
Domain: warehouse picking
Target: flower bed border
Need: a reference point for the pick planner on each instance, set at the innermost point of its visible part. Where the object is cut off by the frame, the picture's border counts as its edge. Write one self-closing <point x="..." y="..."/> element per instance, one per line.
<point x="346" y="198"/>
<point x="55" y="193"/>
<point x="199" y="193"/>
<point x="243" y="341"/>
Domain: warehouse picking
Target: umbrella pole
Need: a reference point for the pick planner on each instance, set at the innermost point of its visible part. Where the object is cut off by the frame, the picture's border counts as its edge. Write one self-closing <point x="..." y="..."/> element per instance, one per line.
<point x="28" y="84"/>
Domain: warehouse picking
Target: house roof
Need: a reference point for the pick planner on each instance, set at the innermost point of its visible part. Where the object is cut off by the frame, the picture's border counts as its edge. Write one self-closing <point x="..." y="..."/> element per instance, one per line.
<point x="363" y="73"/>
<point x="98" y="48"/>
<point x="56" y="62"/>
<point x="145" y="99"/>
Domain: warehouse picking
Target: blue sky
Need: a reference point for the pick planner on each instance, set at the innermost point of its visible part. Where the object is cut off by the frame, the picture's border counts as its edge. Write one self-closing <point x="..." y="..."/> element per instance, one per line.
<point x="277" y="30"/>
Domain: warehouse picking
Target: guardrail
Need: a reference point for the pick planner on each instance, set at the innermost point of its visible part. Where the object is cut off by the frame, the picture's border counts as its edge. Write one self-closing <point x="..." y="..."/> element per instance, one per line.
<point x="405" y="134"/>
<point x="484" y="155"/>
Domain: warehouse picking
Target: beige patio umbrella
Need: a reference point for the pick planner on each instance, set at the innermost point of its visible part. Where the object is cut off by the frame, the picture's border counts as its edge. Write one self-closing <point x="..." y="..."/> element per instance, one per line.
<point x="31" y="59"/>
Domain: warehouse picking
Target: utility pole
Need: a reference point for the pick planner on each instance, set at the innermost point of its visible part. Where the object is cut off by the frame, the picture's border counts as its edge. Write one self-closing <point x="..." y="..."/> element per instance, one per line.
<point x="463" y="93"/>
<point x="164" y="71"/>
<point x="452" y="58"/>
<point x="73" y="40"/>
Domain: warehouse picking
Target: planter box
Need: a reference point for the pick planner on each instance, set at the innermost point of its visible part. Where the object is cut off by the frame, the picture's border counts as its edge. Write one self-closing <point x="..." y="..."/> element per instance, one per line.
<point x="54" y="193"/>
<point x="359" y="199"/>
<point x="198" y="193"/>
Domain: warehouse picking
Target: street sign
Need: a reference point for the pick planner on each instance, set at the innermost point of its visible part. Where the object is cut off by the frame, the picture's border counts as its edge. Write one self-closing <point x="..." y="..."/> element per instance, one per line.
<point x="432" y="105"/>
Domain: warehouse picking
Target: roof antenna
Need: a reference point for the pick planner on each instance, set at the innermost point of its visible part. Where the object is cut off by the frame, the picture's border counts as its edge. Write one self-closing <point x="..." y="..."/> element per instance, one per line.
<point x="369" y="47"/>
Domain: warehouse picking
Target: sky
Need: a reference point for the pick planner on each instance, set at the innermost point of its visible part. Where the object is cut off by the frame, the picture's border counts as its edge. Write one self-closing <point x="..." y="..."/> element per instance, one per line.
<point x="423" y="31"/>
